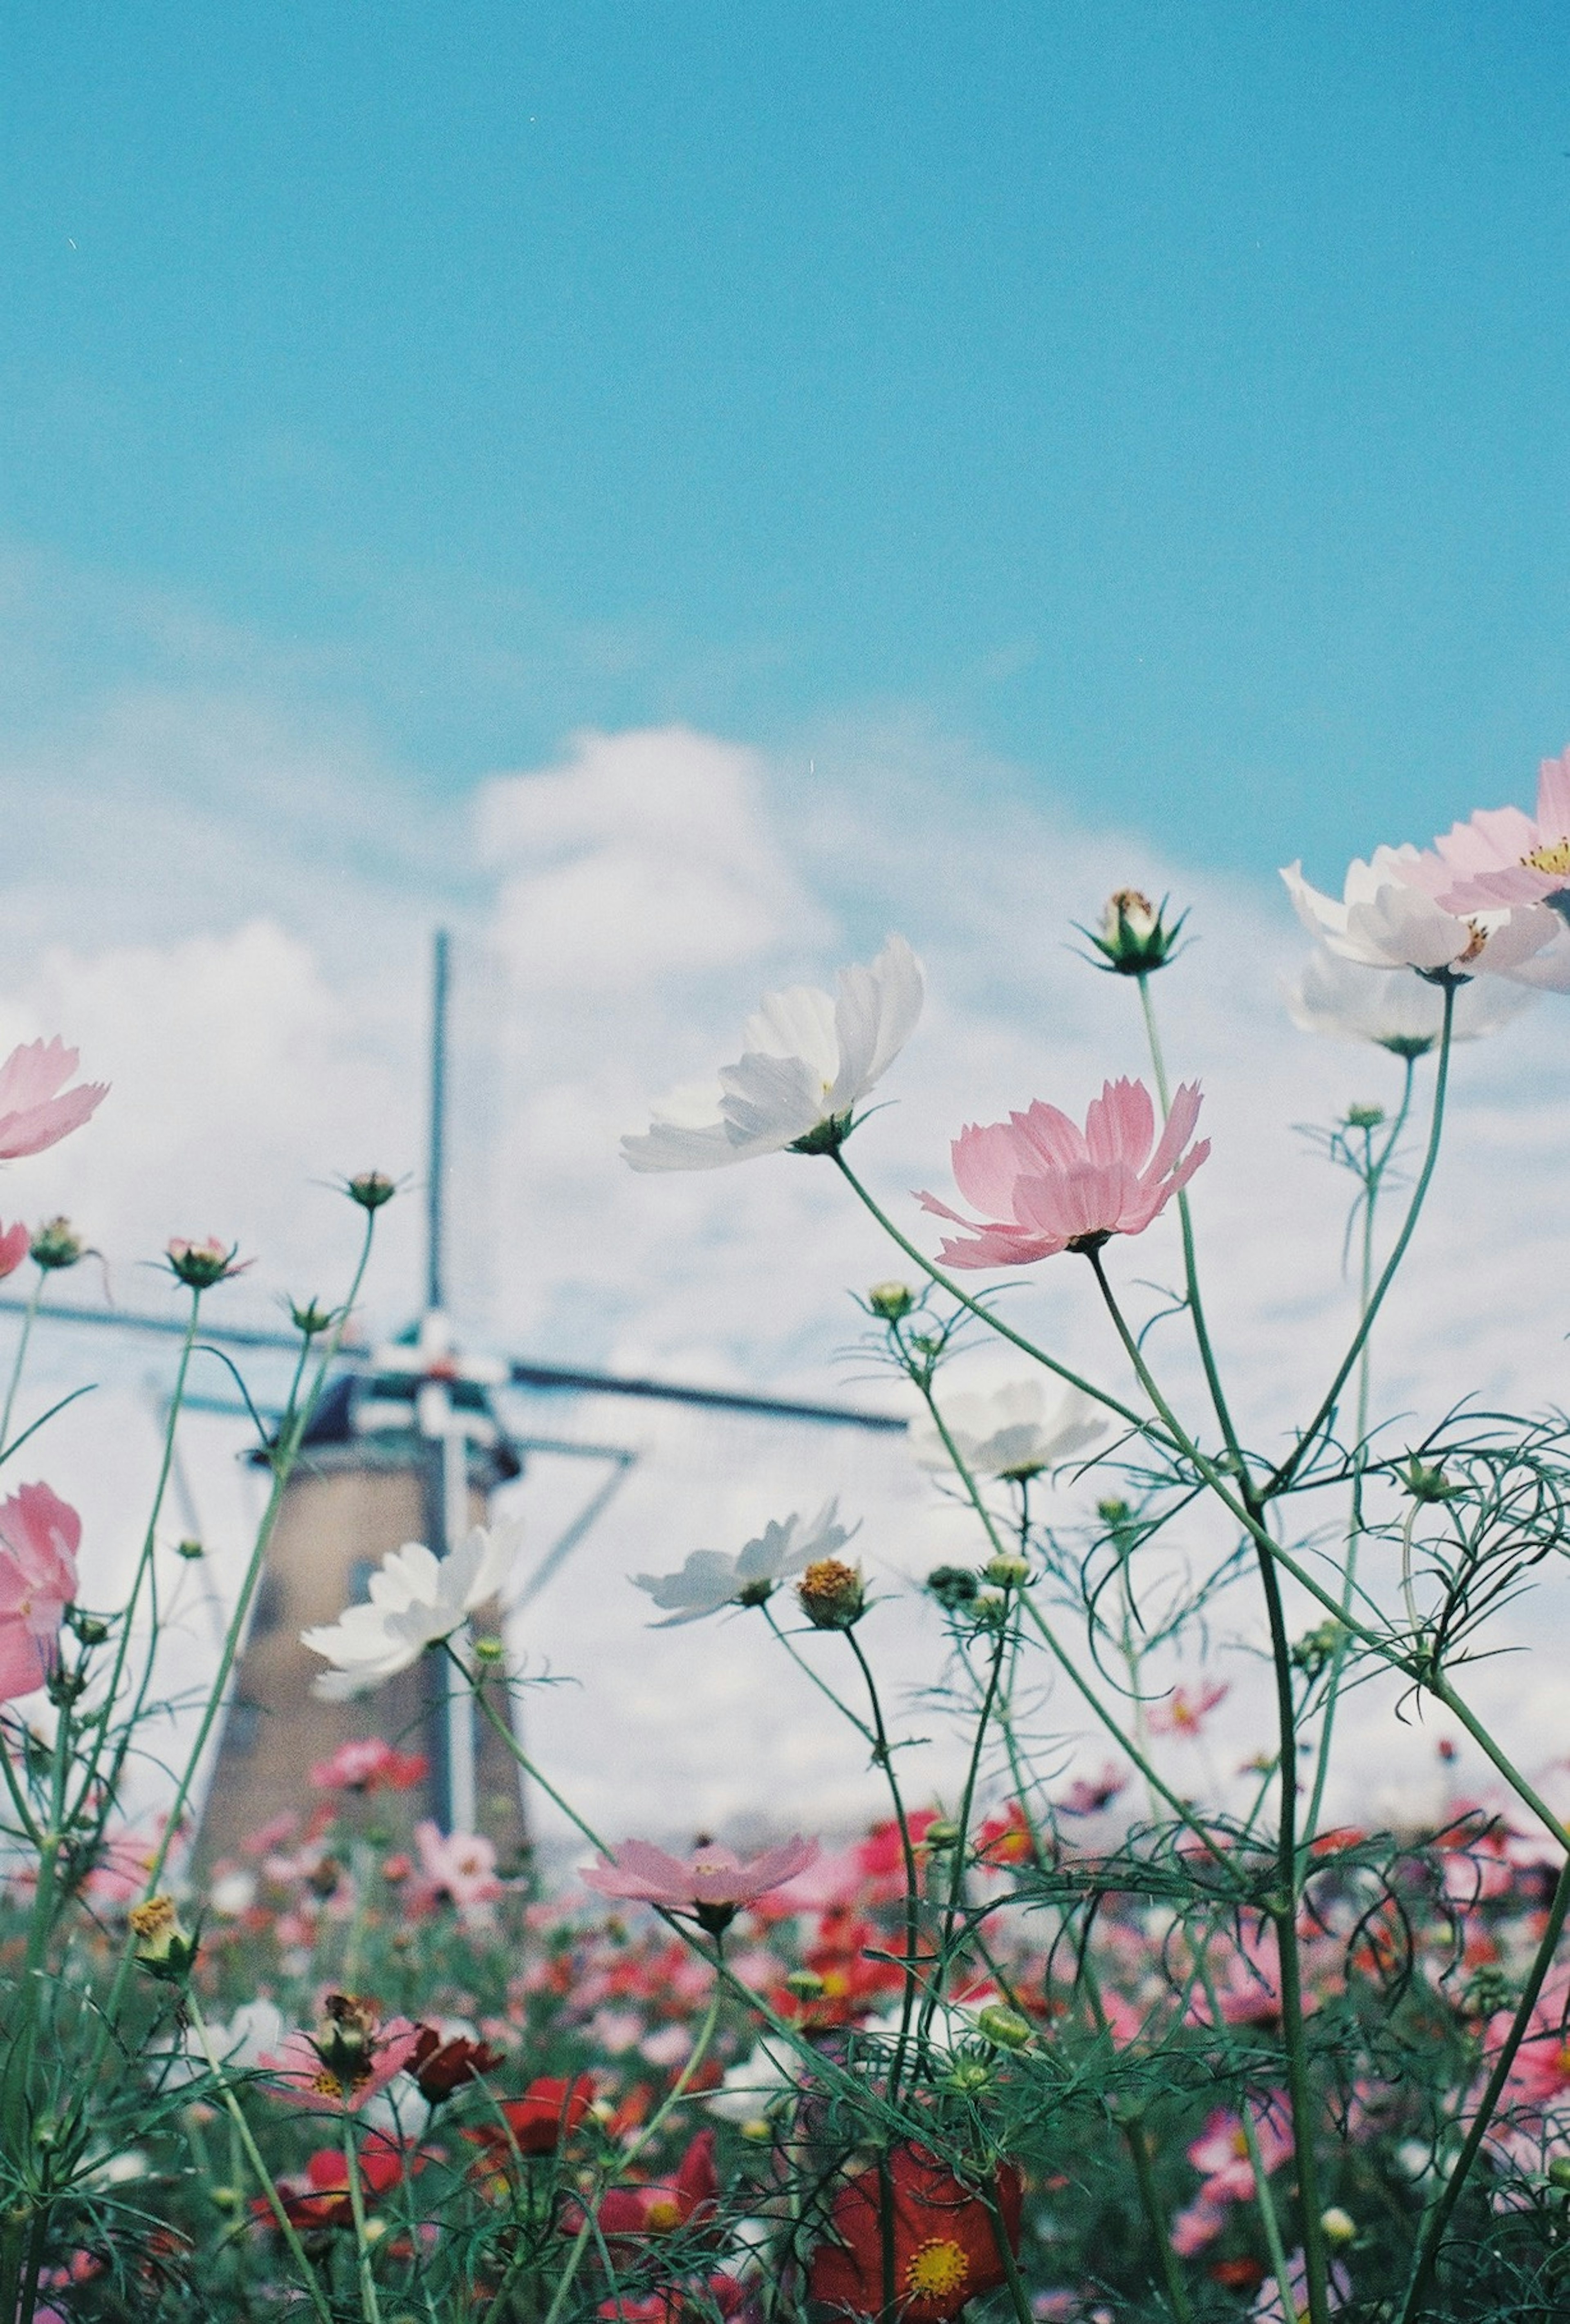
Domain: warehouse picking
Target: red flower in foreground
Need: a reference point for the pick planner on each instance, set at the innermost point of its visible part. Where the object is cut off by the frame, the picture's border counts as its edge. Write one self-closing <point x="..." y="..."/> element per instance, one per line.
<point x="549" y="2111"/>
<point x="320" y="2199"/>
<point x="945" y="2241"/>
<point x="719" y="2292"/>
<point x="685" y="2201"/>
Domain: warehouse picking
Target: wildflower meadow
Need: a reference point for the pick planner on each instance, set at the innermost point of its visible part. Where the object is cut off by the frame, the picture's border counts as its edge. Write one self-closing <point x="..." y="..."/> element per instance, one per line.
<point x="1104" y="2032"/>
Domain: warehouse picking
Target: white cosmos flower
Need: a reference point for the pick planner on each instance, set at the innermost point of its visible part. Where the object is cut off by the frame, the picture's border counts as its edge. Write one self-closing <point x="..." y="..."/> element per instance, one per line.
<point x="756" y="2083"/>
<point x="1015" y="1431"/>
<point x="710" y="1579"/>
<point x="1401" y="1013"/>
<point x="807" y="1062"/>
<point x="415" y="1600"/>
<point x="1386" y="920"/>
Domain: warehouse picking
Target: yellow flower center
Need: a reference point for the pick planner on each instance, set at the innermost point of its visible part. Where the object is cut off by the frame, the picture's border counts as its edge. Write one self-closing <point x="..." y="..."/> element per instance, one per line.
<point x="662" y="2214"/>
<point x="328" y="2086"/>
<point x="935" y="2269"/>
<point x="1554" y="857"/>
<point x="1240" y="2143"/>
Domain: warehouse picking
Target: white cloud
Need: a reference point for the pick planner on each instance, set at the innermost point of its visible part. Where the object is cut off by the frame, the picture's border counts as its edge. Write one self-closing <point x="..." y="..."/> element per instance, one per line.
<point x="246" y="963"/>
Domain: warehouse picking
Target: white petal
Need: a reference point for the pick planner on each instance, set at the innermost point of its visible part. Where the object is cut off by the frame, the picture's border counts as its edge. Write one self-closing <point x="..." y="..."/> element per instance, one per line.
<point x="797" y="1023"/>
<point x="877" y="1012"/>
<point x="772" y="1101"/>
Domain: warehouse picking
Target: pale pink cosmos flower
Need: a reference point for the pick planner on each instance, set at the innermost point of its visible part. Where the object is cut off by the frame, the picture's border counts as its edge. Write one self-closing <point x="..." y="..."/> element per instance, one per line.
<point x="1502" y="855"/>
<point x="36" y="1108"/>
<point x="16" y="1243"/>
<point x="40" y="1535"/>
<point x="712" y="1882"/>
<point x="461" y="1865"/>
<point x="1051" y="1186"/>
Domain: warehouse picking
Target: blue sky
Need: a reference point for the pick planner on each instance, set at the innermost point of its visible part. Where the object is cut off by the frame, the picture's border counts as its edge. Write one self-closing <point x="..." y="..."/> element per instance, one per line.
<point x="1169" y="400"/>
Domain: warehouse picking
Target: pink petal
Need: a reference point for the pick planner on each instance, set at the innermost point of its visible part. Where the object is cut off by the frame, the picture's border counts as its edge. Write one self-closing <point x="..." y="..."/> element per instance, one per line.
<point x="1180" y="1120"/>
<point x="986" y="1162"/>
<point x="1121" y="1123"/>
<point x="22" y="1665"/>
<point x="1000" y="1247"/>
<point x="32" y="1129"/>
<point x="16" y="1243"/>
<point x="1554" y="799"/>
<point x="1050" y="1137"/>
<point x="32" y="1072"/>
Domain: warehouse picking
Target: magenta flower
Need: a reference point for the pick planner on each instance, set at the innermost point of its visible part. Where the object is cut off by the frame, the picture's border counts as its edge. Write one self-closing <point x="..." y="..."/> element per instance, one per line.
<point x="712" y="1883"/>
<point x="1051" y="1186"/>
<point x="36" y="1109"/>
<point x="40" y="1535"/>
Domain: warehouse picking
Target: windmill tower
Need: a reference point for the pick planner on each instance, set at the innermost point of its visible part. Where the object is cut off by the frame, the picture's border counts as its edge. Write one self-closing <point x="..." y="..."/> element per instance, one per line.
<point x="408" y="1449"/>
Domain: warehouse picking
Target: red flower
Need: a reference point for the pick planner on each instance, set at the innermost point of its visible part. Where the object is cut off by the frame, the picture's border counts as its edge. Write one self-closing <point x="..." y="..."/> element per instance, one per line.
<point x="945" y="2240"/>
<point x="369" y="1765"/>
<point x="677" y="2301"/>
<point x="442" y="2066"/>
<point x="322" y="2199"/>
<point x="687" y="2201"/>
<point x="549" y="2111"/>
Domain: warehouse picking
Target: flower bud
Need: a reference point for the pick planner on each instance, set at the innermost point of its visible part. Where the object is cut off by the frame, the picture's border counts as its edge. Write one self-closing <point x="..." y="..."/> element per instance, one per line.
<point x="1364" y="1116"/>
<point x="1425" y="1482"/>
<point x="346" y="2037"/>
<point x="1559" y="2170"/>
<point x="200" y="1264"/>
<point x="190" y="1549"/>
<point x="953" y="1587"/>
<point x="371" y="1189"/>
<point x="308" y="1317"/>
<point x="1336" y="2225"/>
<point x="490" y="1651"/>
<point x="1134" y="937"/>
<point x="941" y="1835"/>
<point x="758" y="2132"/>
<point x="57" y="1244"/>
<point x="1005" y="2029"/>
<point x="832" y="1595"/>
<point x="163" y="1949"/>
<point x="891" y="1301"/>
<point x="1006" y="1573"/>
<point x="968" y="2076"/>
<point x="806" y="1984"/>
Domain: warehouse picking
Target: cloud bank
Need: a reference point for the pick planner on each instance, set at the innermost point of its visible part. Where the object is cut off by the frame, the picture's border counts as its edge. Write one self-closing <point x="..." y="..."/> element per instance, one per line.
<point x="240" y="948"/>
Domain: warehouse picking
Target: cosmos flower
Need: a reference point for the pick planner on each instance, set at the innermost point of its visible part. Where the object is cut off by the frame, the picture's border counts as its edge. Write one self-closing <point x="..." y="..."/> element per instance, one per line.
<point x="945" y="2240"/>
<point x="1185" y="1714"/>
<point x="460" y="1864"/>
<point x="1013" y="1432"/>
<point x="1051" y="1186"/>
<point x="807" y="1062"/>
<point x="1388" y="918"/>
<point x="36" y="1109"/>
<point x="710" y="1579"/>
<point x="40" y="1535"/>
<point x="1501" y="855"/>
<point x="1403" y="1014"/>
<point x="1221" y="2152"/>
<point x="712" y="1882"/>
<point x="16" y="1243"/>
<point x="416" y="1600"/>
<point x="352" y="2055"/>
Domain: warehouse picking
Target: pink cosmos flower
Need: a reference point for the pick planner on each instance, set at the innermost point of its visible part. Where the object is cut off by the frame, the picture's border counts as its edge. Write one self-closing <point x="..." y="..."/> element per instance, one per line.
<point x="461" y="1865"/>
<point x="712" y="1882"/>
<point x="351" y="2056"/>
<point x="40" y="1534"/>
<point x="1183" y="1713"/>
<point x="16" y="1243"/>
<point x="1221" y="2151"/>
<point x="1050" y="1186"/>
<point x="1501" y="855"/>
<point x="36" y="1111"/>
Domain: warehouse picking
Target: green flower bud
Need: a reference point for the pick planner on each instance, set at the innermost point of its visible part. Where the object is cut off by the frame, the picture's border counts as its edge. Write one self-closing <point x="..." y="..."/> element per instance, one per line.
<point x="1004" y="2028"/>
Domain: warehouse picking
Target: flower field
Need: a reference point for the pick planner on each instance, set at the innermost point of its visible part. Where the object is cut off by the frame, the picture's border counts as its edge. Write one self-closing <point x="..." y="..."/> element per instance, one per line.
<point x="1104" y="2031"/>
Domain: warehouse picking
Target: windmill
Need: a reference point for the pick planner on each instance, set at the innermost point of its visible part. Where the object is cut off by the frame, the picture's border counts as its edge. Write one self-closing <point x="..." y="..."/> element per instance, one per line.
<point x="407" y="1444"/>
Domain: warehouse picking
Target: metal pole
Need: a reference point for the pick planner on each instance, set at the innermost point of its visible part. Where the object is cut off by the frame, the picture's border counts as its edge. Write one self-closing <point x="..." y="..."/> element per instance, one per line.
<point x="461" y="1802"/>
<point x="437" y="1164"/>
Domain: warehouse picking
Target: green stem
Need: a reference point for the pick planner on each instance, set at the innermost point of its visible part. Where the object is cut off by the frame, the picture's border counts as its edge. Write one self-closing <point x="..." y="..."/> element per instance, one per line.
<point x="1425" y="2256"/>
<point x="884" y="1758"/>
<point x="1282" y="1477"/>
<point x="265" y="2179"/>
<point x="370" y="2306"/>
<point x="28" y="1314"/>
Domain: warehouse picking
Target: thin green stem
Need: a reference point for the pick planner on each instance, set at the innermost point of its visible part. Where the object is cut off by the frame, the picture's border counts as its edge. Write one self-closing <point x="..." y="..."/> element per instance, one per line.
<point x="28" y="1315"/>
<point x="370" y="2306"/>
<point x="252" y="2152"/>
<point x="884" y="1758"/>
<point x="1282" y="1477"/>
<point x="1425" y="2258"/>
